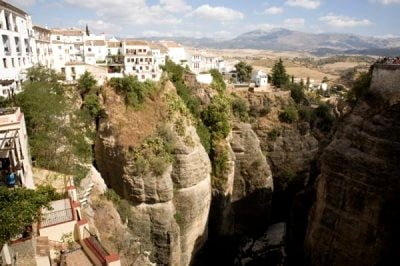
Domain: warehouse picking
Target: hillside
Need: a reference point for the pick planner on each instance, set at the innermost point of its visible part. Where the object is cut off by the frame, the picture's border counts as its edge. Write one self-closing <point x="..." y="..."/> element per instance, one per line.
<point x="280" y="39"/>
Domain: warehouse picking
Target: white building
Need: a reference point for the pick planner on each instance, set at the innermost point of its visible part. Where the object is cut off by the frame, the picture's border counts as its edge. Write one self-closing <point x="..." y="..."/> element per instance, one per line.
<point x="14" y="155"/>
<point x="260" y="78"/>
<point x="176" y="52"/>
<point x="67" y="47"/>
<point x="43" y="46"/>
<point x="95" y="50"/>
<point x="204" y="78"/>
<point x="17" y="47"/>
<point x="140" y="61"/>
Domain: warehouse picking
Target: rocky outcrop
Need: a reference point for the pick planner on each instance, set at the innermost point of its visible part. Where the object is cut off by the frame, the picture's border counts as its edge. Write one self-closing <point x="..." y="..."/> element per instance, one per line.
<point x="243" y="205"/>
<point x="168" y="212"/>
<point x="356" y="218"/>
<point x="288" y="147"/>
<point x="253" y="185"/>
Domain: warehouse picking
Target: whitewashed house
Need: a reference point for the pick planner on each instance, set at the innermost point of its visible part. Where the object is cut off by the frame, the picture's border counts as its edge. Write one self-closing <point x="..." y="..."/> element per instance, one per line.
<point x="175" y="51"/>
<point x="17" y="48"/>
<point x="43" y="46"/>
<point x="95" y="50"/>
<point x="259" y="78"/>
<point x="140" y="61"/>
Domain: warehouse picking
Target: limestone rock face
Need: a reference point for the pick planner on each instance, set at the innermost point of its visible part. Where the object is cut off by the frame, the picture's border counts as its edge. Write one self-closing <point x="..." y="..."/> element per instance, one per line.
<point x="253" y="185"/>
<point x="356" y="217"/>
<point x="170" y="211"/>
<point x="243" y="205"/>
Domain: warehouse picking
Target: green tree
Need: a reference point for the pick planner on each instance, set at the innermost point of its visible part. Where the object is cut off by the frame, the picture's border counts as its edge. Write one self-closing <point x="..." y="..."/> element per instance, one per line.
<point x="297" y="92"/>
<point x="218" y="80"/>
<point x="86" y="83"/>
<point x="20" y="208"/>
<point x="53" y="121"/>
<point x="87" y="30"/>
<point x="279" y="77"/>
<point x="217" y="117"/>
<point x="243" y="71"/>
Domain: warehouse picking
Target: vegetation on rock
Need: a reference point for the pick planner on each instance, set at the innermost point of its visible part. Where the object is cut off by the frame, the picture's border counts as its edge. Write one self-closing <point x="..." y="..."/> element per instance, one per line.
<point x="243" y="71"/>
<point x="60" y="133"/>
<point x="20" y="208"/>
<point x="279" y="77"/>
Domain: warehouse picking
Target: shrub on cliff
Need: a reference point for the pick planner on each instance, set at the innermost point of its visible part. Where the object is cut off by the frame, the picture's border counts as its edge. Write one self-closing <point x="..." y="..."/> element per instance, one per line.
<point x="325" y="118"/>
<point x="289" y="115"/>
<point x="134" y="91"/>
<point x="240" y="109"/>
<point x="217" y="116"/>
<point x="57" y="128"/>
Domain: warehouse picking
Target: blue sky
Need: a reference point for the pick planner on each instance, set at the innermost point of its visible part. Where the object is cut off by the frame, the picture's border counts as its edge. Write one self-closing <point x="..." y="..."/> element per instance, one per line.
<point x="217" y="18"/>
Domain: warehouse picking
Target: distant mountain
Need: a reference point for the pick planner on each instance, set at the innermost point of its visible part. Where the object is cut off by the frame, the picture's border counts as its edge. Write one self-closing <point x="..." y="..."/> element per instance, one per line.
<point x="288" y="40"/>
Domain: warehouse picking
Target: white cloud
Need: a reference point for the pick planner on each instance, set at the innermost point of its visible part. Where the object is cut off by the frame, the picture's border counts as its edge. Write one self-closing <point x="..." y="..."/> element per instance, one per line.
<point x="22" y="3"/>
<point x="217" y="13"/>
<point x="309" y="4"/>
<point x="136" y="12"/>
<point x="294" y="22"/>
<point x="100" y="26"/>
<point x="344" y="22"/>
<point x="273" y="10"/>
<point x="175" y="6"/>
<point x="387" y="2"/>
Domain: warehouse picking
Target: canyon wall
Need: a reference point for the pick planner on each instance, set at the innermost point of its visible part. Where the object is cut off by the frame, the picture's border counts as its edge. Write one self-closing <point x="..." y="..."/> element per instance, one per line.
<point x="169" y="212"/>
<point x="356" y="217"/>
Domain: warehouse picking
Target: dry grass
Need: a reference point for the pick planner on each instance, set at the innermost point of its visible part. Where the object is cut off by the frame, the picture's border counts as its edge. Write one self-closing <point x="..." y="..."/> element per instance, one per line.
<point x="132" y="125"/>
<point x="46" y="177"/>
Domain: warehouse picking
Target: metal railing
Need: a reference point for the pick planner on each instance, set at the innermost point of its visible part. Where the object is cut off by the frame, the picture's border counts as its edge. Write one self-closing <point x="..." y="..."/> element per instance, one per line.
<point x="56" y="217"/>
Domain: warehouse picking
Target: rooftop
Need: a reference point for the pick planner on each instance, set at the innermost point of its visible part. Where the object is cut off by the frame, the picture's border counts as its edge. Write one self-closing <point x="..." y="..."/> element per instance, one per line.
<point x="12" y="8"/>
<point x="95" y="43"/>
<point x="135" y="42"/>
<point x="10" y="115"/>
<point x="68" y="31"/>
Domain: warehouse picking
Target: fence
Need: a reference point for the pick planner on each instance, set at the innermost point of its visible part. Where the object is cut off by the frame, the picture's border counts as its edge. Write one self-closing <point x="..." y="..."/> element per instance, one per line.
<point x="56" y="217"/>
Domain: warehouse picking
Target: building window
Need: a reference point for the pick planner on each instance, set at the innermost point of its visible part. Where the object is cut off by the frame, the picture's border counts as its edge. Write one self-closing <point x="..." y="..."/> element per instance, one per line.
<point x="27" y="47"/>
<point x="6" y="44"/>
<point x="89" y="49"/>
<point x="17" y="45"/>
<point x="4" y="92"/>
<point x="143" y="77"/>
<point x="12" y="62"/>
<point x="59" y="47"/>
<point x="5" y="62"/>
<point x="153" y="76"/>
<point x="58" y="38"/>
<point x="8" y="24"/>
<point x="63" y="70"/>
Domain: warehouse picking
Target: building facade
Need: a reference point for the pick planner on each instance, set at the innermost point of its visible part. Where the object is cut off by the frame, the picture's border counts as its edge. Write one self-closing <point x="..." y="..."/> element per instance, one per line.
<point x="17" y="48"/>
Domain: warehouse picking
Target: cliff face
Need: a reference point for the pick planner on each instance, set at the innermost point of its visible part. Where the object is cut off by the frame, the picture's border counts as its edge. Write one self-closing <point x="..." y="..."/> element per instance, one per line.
<point x="243" y="204"/>
<point x="169" y="212"/>
<point x="356" y="218"/>
<point x="288" y="147"/>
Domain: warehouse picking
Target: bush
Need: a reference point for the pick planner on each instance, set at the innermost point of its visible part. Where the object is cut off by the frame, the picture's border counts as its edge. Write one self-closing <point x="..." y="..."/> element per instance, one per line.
<point x="218" y="80"/>
<point x="360" y="87"/>
<point x="289" y="115"/>
<point x="92" y="105"/>
<point x="307" y="115"/>
<point x="240" y="109"/>
<point x="273" y="134"/>
<point x="134" y="91"/>
<point x="86" y="83"/>
<point x="297" y="93"/>
<point x="217" y="116"/>
<point x="325" y="118"/>
<point x="192" y="102"/>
